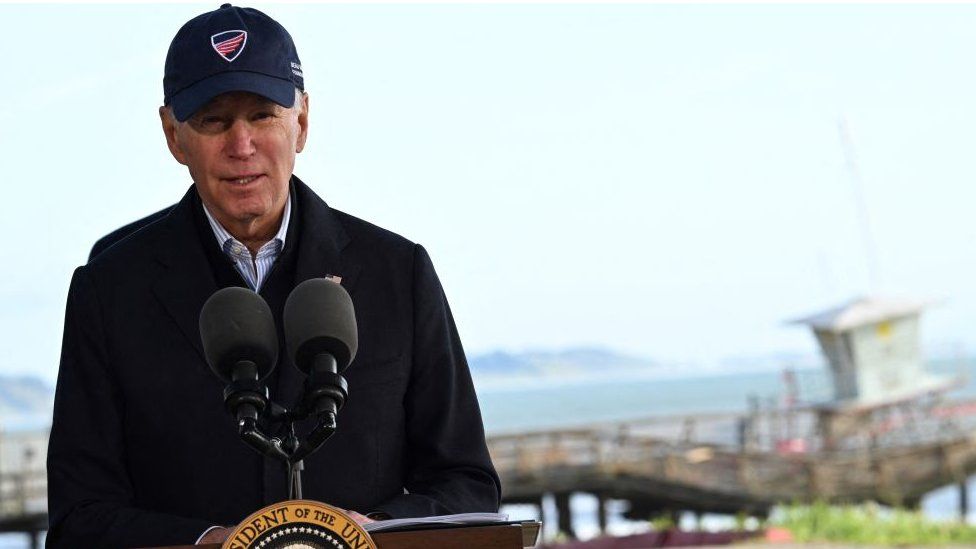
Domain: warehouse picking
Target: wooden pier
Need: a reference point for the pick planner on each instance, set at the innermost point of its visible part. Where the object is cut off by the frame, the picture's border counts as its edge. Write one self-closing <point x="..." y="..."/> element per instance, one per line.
<point x="732" y="464"/>
<point x="23" y="484"/>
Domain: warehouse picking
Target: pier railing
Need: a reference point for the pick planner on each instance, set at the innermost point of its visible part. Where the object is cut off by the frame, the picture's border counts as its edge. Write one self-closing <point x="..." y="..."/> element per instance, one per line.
<point x="23" y="477"/>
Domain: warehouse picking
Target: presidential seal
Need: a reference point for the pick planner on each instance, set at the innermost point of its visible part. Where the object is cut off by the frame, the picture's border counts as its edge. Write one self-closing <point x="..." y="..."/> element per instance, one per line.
<point x="299" y="524"/>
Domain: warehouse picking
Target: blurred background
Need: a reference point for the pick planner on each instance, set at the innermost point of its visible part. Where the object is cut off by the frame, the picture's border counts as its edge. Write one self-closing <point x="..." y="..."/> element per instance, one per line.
<point x="625" y="204"/>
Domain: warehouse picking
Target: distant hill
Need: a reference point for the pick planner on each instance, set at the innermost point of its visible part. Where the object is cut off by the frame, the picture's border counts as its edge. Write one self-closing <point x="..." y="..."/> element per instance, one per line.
<point x="25" y="394"/>
<point x="25" y="402"/>
<point x="583" y="362"/>
<point x="510" y="369"/>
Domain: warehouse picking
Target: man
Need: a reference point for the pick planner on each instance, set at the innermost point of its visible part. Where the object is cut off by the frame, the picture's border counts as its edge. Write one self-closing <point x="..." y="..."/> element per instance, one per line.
<point x="142" y="452"/>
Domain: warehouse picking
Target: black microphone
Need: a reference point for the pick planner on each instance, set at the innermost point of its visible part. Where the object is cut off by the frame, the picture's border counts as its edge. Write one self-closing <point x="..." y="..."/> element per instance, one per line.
<point x="320" y="321"/>
<point x="241" y="346"/>
<point x="321" y="335"/>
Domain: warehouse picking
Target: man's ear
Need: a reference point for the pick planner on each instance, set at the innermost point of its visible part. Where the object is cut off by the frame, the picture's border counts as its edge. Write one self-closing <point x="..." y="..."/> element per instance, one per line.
<point x="169" y="129"/>
<point x="302" y="123"/>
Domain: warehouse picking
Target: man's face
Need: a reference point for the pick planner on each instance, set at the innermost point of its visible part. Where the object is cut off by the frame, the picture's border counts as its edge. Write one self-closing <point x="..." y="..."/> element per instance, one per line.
<point x="240" y="149"/>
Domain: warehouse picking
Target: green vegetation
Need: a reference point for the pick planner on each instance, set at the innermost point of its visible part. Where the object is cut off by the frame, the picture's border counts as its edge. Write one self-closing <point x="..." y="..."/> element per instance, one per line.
<point x="663" y="523"/>
<point x="870" y="525"/>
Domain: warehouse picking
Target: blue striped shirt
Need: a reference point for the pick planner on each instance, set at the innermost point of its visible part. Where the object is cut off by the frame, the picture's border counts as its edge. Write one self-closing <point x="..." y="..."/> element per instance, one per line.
<point x="255" y="268"/>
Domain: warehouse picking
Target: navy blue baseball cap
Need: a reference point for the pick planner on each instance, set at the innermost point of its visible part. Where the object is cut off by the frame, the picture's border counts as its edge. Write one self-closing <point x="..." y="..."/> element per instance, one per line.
<point x="230" y="49"/>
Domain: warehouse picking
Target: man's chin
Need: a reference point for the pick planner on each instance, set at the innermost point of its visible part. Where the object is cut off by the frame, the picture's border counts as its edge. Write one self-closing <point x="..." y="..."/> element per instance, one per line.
<point x="248" y="217"/>
<point x="244" y="211"/>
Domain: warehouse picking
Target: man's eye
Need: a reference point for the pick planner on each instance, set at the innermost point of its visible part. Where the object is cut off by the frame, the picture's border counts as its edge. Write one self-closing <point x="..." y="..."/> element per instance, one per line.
<point x="264" y="115"/>
<point x="209" y="123"/>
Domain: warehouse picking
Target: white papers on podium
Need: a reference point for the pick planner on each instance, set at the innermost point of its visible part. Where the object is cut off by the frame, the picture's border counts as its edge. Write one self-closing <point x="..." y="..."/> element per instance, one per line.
<point x="463" y="519"/>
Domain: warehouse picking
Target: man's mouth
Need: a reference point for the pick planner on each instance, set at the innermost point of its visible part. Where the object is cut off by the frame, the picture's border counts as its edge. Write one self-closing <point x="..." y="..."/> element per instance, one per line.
<point x="241" y="180"/>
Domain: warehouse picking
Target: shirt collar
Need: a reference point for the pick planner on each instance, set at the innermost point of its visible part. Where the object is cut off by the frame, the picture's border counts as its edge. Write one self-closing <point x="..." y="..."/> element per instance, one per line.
<point x="225" y="239"/>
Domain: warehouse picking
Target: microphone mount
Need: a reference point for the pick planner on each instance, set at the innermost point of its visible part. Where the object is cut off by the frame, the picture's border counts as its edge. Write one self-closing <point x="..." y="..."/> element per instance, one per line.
<point x="325" y="393"/>
<point x="247" y="398"/>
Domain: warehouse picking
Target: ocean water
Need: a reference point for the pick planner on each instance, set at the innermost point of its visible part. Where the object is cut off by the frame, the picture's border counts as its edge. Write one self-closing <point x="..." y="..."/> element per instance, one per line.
<point x="542" y="404"/>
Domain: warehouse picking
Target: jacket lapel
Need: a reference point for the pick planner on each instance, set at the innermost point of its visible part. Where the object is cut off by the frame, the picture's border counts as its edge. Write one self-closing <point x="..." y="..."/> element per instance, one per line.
<point x="187" y="281"/>
<point x="321" y="242"/>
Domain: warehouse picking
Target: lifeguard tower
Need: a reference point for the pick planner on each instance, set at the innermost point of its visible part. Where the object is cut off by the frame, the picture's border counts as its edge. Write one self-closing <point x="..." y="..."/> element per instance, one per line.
<point x="873" y="350"/>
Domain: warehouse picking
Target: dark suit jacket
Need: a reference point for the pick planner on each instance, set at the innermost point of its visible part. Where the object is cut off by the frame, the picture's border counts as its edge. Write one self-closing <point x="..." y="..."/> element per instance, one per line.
<point x="142" y="452"/>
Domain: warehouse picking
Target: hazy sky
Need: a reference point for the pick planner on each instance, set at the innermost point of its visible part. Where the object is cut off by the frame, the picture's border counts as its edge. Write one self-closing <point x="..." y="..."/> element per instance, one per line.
<point x="664" y="180"/>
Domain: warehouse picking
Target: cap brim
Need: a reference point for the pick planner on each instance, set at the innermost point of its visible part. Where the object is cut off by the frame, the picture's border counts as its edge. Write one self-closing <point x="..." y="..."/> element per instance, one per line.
<point x="189" y="100"/>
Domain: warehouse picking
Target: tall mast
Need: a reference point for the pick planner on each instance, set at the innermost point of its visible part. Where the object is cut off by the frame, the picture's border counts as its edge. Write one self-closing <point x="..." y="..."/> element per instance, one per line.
<point x="864" y="220"/>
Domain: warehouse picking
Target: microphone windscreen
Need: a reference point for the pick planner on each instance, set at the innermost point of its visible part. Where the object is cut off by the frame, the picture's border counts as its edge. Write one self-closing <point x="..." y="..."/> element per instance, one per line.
<point x="236" y="325"/>
<point x="319" y="318"/>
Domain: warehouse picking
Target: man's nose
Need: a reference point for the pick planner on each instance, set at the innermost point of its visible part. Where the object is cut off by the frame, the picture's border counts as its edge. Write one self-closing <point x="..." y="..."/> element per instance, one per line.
<point x="240" y="140"/>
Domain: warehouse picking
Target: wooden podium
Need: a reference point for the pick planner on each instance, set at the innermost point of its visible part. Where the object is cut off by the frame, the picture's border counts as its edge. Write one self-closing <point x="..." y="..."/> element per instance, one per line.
<point x="502" y="536"/>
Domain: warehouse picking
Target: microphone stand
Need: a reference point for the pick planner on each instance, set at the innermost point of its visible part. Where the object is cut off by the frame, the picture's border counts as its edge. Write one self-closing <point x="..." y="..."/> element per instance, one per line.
<point x="295" y="467"/>
<point x="295" y="479"/>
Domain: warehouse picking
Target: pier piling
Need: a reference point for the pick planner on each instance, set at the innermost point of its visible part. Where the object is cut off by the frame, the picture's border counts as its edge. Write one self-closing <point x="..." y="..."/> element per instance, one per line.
<point x="963" y="501"/>
<point x="564" y="516"/>
<point x="601" y="512"/>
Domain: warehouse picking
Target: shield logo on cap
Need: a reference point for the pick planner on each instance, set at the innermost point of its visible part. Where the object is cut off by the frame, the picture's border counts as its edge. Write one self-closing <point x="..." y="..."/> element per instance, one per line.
<point x="229" y="44"/>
